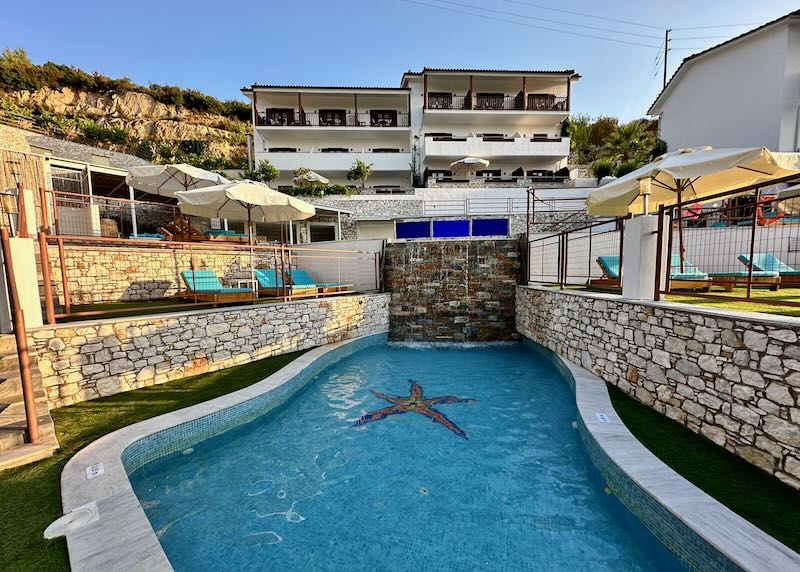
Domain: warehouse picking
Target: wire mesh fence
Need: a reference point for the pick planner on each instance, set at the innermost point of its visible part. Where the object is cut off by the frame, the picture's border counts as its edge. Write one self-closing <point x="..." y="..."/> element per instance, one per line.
<point x="85" y="276"/>
<point x="590" y="255"/>
<point x="744" y="247"/>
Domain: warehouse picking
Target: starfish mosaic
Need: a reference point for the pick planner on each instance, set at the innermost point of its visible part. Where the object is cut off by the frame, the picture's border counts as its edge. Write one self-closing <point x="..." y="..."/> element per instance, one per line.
<point x="415" y="403"/>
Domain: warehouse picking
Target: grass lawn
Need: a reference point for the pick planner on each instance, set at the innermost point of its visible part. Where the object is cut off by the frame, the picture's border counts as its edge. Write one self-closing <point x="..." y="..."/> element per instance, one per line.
<point x="30" y="496"/>
<point x="734" y="301"/>
<point x="750" y="492"/>
<point x="142" y="307"/>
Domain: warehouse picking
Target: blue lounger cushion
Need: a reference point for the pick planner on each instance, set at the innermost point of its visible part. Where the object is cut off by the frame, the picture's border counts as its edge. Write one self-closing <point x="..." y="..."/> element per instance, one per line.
<point x="610" y="265"/>
<point x="207" y="282"/>
<point x="769" y="263"/>
<point x="301" y="278"/>
<point x="756" y="274"/>
<point x="268" y="278"/>
<point x="690" y="271"/>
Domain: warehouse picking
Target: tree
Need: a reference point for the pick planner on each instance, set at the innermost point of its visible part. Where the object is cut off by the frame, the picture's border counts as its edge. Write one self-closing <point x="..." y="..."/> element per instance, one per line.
<point x="265" y="172"/>
<point x="603" y="128"/>
<point x="632" y="141"/>
<point x="579" y="130"/>
<point x="360" y="171"/>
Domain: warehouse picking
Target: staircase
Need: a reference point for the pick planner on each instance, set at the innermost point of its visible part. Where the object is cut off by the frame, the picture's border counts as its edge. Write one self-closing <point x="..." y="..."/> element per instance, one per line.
<point x="14" y="451"/>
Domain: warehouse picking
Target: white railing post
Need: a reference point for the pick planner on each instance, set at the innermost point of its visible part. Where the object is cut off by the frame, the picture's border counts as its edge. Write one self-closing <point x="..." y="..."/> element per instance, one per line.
<point x="133" y="213"/>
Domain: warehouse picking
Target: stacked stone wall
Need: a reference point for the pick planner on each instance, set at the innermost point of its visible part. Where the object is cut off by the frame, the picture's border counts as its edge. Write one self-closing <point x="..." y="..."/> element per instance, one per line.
<point x="730" y="378"/>
<point x="452" y="290"/>
<point x="83" y="361"/>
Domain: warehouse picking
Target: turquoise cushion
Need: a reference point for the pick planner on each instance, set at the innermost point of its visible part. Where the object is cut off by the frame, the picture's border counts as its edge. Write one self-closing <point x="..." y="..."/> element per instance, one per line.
<point x="300" y="278"/>
<point x="756" y="274"/>
<point x="610" y="265"/>
<point x="768" y="262"/>
<point x="266" y="278"/>
<point x="690" y="271"/>
<point x="234" y="290"/>
<point x="688" y="276"/>
<point x="201" y="280"/>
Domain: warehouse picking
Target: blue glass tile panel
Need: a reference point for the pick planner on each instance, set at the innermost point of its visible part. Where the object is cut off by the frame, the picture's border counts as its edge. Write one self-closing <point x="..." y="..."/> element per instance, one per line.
<point x="490" y="227"/>
<point x="450" y="228"/>
<point x="413" y="229"/>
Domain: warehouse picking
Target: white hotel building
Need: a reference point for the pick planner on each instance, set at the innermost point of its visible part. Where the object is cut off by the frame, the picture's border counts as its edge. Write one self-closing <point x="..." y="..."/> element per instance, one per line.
<point x="412" y="133"/>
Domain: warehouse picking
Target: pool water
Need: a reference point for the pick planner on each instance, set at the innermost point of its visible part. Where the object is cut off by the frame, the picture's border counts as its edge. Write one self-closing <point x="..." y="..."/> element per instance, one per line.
<point x="306" y="488"/>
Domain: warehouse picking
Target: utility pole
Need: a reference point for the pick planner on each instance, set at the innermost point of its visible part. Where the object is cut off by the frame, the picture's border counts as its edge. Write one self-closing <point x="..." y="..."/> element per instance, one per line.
<point x="666" y="51"/>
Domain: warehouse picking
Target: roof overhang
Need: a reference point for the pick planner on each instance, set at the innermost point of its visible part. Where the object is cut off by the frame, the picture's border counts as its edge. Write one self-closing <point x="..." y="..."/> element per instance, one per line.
<point x="324" y="89"/>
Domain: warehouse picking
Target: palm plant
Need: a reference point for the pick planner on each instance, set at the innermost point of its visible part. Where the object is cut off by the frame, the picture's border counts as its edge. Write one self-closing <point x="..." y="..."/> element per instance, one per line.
<point x="360" y="172"/>
<point x="630" y="142"/>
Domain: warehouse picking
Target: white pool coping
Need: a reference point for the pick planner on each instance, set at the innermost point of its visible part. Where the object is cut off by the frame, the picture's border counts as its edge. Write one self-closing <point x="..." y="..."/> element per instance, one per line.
<point x="123" y="539"/>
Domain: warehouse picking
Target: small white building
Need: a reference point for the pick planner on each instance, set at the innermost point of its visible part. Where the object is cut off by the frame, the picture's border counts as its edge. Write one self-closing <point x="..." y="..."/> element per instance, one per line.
<point x="742" y="93"/>
<point x="512" y="118"/>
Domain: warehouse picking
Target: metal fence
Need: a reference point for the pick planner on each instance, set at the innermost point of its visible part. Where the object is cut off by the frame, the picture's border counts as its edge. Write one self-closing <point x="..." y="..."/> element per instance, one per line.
<point x="587" y="256"/>
<point x="86" y="276"/>
<point x="743" y="247"/>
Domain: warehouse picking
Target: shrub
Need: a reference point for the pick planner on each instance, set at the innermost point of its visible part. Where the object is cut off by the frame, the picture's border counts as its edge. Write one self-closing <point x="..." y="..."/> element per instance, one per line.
<point x="626" y="167"/>
<point x="602" y="168"/>
<point x="264" y="172"/>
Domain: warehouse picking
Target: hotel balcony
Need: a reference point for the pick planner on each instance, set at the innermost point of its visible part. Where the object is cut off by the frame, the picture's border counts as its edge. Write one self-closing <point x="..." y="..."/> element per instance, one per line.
<point x="337" y="161"/>
<point x="332" y="118"/>
<point x="491" y="147"/>
<point x="497" y="102"/>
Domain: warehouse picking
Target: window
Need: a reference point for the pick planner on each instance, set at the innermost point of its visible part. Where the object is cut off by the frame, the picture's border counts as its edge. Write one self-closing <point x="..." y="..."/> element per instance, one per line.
<point x="489" y="173"/>
<point x="282" y="149"/>
<point x="279" y="116"/>
<point x="385" y="150"/>
<point x="383" y="118"/>
<point x="332" y="117"/>
<point x="440" y="100"/>
<point x="334" y="150"/>
<point x="322" y="232"/>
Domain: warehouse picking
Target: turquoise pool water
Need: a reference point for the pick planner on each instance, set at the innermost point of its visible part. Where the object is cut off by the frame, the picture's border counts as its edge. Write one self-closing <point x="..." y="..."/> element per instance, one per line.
<point x="476" y="466"/>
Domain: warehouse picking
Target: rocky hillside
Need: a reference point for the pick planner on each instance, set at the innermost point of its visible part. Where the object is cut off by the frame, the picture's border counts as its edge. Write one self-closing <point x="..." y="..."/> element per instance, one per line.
<point x="118" y="115"/>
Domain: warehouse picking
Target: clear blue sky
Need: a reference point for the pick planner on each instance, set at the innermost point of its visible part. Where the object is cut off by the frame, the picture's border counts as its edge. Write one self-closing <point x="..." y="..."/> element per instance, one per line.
<point x="219" y="46"/>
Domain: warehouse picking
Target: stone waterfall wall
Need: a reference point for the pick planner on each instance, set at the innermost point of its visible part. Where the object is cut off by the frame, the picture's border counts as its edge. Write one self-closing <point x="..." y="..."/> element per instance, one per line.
<point x="452" y="290"/>
<point x="85" y="360"/>
<point x="733" y="379"/>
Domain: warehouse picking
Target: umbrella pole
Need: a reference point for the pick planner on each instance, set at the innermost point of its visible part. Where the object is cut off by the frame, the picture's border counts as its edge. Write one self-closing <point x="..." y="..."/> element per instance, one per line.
<point x="680" y="226"/>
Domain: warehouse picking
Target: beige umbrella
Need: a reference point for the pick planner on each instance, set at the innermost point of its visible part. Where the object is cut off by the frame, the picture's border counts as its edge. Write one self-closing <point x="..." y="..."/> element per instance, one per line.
<point x="310" y="177"/>
<point x="467" y="165"/>
<point x="166" y="180"/>
<point x="690" y="174"/>
<point x="244" y="200"/>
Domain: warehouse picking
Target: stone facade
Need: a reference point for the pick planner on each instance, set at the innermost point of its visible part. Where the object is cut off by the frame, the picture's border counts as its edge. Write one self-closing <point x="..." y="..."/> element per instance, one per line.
<point x="83" y="361"/>
<point x="452" y="290"/>
<point x="730" y="378"/>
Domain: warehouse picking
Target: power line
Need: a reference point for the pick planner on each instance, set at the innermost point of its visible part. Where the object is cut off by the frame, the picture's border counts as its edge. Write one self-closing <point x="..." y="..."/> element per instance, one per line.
<point x="701" y="38"/>
<point x="721" y="26"/>
<point x="584" y="14"/>
<point x="559" y="22"/>
<point x="453" y="10"/>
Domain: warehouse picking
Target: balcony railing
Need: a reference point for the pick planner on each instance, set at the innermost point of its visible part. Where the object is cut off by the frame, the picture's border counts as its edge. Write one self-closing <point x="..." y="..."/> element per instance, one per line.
<point x="535" y="102"/>
<point x="307" y="119"/>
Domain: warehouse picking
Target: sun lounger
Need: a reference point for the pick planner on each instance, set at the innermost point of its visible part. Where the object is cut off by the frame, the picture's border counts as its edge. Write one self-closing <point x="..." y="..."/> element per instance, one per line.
<point x="301" y="276"/>
<point x="609" y="265"/>
<point x="686" y="278"/>
<point x="769" y="263"/>
<point x="204" y="285"/>
<point x="730" y="279"/>
<point x="270" y="283"/>
<point x="691" y="277"/>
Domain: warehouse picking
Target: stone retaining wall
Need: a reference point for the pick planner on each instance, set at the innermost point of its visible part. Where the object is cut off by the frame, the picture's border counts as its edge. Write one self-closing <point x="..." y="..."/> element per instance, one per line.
<point x="82" y="361"/>
<point x="452" y="290"/>
<point x="729" y="377"/>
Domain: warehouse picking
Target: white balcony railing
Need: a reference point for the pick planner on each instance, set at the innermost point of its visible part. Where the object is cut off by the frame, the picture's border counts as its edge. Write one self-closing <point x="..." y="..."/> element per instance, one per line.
<point x="481" y="147"/>
<point x="327" y="162"/>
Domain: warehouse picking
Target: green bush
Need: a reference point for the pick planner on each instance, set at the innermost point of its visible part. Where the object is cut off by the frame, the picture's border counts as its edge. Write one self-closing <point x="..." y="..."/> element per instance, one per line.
<point x="265" y="172"/>
<point x="602" y="168"/>
<point x="626" y="167"/>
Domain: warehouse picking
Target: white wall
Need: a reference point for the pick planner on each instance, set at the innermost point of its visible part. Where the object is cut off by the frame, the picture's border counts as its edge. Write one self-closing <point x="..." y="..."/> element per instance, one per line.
<point x="733" y="96"/>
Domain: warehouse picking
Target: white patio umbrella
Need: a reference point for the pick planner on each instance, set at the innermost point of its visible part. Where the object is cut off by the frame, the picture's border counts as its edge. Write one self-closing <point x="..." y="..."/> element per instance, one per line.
<point x="467" y="164"/>
<point x="166" y="180"/>
<point x="310" y="177"/>
<point x="691" y="174"/>
<point x="244" y="200"/>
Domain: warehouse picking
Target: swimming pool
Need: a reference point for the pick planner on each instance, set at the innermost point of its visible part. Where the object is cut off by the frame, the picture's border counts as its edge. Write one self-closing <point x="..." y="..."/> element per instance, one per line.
<point x="491" y="475"/>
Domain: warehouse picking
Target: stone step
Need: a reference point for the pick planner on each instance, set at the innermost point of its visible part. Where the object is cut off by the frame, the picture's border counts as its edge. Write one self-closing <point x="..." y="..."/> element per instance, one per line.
<point x="8" y="344"/>
<point x="12" y="434"/>
<point x="26" y="453"/>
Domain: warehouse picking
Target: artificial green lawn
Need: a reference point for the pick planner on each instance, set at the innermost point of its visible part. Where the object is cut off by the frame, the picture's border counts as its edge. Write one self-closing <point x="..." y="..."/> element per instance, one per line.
<point x="30" y="496"/>
<point x="142" y="307"/>
<point x="750" y="492"/>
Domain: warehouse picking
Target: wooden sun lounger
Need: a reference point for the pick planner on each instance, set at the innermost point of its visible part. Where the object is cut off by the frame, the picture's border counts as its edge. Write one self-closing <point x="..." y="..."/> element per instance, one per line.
<point x="728" y="282"/>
